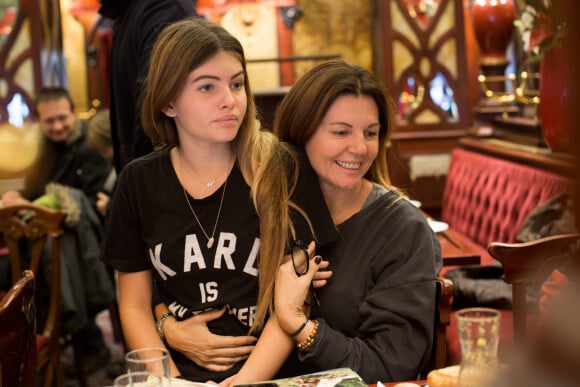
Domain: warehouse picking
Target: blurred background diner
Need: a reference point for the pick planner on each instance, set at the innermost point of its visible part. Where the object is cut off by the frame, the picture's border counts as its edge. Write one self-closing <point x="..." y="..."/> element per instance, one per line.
<point x="486" y="137"/>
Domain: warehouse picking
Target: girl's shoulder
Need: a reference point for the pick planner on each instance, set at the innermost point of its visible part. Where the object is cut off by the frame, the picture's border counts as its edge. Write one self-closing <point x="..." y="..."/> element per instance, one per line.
<point x="158" y="159"/>
<point x="147" y="169"/>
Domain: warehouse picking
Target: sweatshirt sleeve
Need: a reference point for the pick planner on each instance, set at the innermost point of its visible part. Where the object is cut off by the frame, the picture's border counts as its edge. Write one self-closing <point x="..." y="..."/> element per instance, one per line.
<point x="397" y="312"/>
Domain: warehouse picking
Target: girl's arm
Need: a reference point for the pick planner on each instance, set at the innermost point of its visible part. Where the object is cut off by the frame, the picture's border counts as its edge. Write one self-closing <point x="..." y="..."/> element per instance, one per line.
<point x="137" y="319"/>
<point x="270" y="353"/>
<point x="279" y="337"/>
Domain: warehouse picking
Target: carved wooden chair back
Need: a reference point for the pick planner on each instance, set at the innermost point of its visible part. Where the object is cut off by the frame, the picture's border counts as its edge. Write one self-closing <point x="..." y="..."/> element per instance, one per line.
<point x="526" y="262"/>
<point x="26" y="229"/>
<point x="443" y="295"/>
<point x="18" y="337"/>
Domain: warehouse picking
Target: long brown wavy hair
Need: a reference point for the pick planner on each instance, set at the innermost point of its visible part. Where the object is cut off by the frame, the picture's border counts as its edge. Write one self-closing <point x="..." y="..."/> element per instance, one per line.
<point x="302" y="110"/>
<point x="180" y="48"/>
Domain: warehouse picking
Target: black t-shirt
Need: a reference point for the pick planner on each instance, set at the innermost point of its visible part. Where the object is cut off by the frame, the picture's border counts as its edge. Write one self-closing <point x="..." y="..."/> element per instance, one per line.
<point x="152" y="227"/>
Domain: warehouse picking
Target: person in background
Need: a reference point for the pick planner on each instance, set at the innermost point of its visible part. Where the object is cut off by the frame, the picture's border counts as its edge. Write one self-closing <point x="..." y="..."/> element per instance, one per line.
<point x="136" y="26"/>
<point x="64" y="157"/>
<point x="99" y="140"/>
<point x="376" y="313"/>
<point x="203" y="222"/>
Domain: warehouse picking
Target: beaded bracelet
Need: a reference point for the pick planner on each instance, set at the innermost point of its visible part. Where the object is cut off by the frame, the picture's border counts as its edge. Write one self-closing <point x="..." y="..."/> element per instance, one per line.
<point x="307" y="343"/>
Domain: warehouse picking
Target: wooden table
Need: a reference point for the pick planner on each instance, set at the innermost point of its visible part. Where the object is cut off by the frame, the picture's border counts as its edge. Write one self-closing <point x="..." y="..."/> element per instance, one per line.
<point x="458" y="250"/>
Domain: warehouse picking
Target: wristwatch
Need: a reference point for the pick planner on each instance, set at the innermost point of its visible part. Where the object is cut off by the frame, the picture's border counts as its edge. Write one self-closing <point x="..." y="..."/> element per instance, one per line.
<point x="160" y="324"/>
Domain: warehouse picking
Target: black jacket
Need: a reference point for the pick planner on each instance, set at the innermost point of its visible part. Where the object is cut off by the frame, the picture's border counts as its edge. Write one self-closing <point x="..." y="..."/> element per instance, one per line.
<point x="69" y="163"/>
<point x="137" y="24"/>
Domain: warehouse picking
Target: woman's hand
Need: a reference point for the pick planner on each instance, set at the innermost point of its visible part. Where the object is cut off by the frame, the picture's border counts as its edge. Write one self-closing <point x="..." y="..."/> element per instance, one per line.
<point x="216" y="353"/>
<point x="292" y="291"/>
<point x="322" y="275"/>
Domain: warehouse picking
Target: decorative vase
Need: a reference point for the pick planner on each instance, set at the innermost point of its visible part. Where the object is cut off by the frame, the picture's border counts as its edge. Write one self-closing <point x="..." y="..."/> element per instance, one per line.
<point x="493" y="26"/>
<point x="556" y="93"/>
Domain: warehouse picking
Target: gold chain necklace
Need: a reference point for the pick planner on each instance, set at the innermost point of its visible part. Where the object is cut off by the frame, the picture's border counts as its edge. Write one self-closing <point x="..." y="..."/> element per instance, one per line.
<point x="210" y="240"/>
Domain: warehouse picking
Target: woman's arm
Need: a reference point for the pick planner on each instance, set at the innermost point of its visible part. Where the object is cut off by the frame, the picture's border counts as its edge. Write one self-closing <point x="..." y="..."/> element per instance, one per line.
<point x="137" y="315"/>
<point x="380" y="303"/>
<point x="385" y="331"/>
<point x="192" y="338"/>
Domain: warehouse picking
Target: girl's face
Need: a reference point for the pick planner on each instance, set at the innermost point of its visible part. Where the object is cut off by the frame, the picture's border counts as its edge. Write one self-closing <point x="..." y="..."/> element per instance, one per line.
<point x="345" y="144"/>
<point x="213" y="102"/>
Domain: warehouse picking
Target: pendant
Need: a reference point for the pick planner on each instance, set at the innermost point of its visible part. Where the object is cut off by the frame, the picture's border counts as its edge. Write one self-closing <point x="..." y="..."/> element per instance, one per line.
<point x="210" y="243"/>
<point x="210" y="184"/>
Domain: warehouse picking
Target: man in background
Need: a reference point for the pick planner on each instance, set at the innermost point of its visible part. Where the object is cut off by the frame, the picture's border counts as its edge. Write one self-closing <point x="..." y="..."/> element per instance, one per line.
<point x="64" y="157"/>
<point x="136" y="26"/>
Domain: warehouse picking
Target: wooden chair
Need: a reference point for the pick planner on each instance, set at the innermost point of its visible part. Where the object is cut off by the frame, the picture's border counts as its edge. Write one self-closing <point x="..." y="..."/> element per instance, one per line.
<point x="526" y="262"/>
<point x="37" y="225"/>
<point x="443" y="295"/>
<point x="18" y="337"/>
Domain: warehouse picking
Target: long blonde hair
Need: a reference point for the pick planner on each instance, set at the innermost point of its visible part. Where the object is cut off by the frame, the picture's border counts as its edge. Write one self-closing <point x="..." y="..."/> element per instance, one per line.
<point x="180" y="48"/>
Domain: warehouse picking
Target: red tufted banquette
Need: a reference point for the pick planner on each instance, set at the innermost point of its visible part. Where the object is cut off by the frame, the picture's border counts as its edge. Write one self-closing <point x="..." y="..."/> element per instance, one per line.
<point x="487" y="199"/>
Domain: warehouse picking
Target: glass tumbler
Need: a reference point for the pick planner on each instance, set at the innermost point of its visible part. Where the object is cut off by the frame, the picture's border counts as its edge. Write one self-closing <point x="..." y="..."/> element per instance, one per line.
<point x="137" y="379"/>
<point x="154" y="361"/>
<point x="479" y="338"/>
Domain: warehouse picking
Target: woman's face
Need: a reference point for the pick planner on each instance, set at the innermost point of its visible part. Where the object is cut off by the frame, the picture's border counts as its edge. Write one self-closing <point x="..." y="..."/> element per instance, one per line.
<point x="345" y="144"/>
<point x="212" y="105"/>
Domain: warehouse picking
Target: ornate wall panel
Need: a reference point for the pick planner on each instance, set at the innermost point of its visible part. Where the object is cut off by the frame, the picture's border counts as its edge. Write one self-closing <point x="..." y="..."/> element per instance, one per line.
<point x="420" y="53"/>
<point x="30" y="56"/>
<point x="333" y="28"/>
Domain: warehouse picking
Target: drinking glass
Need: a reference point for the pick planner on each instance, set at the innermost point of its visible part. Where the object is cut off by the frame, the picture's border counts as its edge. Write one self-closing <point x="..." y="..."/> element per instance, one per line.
<point x="479" y="338"/>
<point x="137" y="379"/>
<point x="154" y="361"/>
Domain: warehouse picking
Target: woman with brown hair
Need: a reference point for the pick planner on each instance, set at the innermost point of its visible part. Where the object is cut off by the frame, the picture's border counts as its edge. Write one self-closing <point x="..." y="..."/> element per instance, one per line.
<point x="376" y="314"/>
